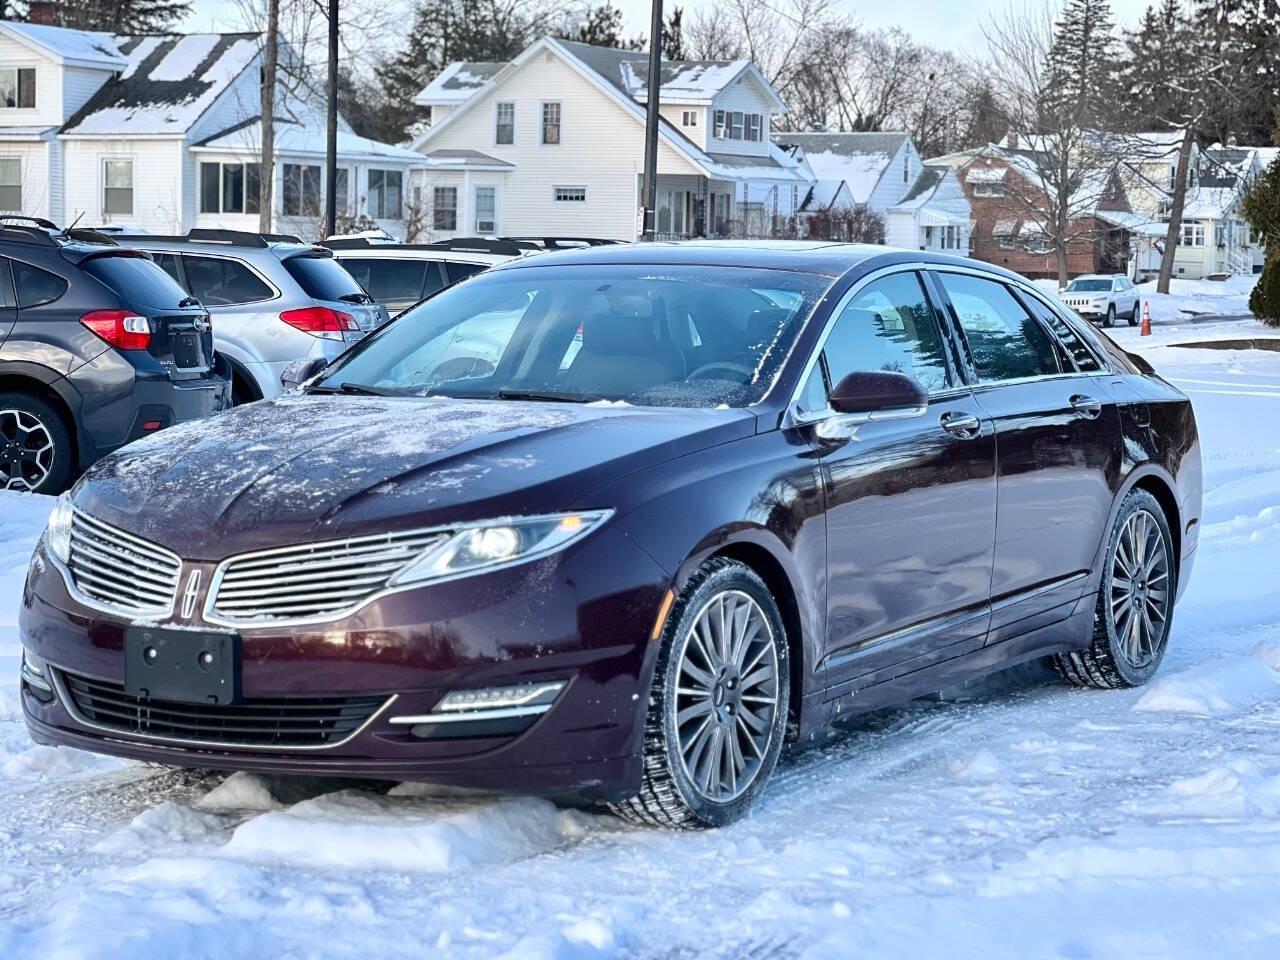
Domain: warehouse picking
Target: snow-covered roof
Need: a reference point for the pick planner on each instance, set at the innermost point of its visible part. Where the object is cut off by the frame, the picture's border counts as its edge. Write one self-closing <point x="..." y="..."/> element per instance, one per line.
<point x="859" y="159"/>
<point x="1209" y="203"/>
<point x="922" y="191"/>
<point x="465" y="159"/>
<point x="1005" y="228"/>
<point x="986" y="174"/>
<point x="167" y="84"/>
<point x="732" y="166"/>
<point x="457" y="82"/>
<point x="823" y="195"/>
<point x="1134" y="222"/>
<point x="304" y="137"/>
<point x="82" y="47"/>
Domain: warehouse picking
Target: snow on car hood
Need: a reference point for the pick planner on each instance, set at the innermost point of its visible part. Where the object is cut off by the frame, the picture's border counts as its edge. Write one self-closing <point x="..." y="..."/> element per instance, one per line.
<point x="301" y="468"/>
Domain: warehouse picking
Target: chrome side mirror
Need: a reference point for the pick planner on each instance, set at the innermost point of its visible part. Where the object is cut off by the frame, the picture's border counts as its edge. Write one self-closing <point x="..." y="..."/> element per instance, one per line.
<point x="872" y="395"/>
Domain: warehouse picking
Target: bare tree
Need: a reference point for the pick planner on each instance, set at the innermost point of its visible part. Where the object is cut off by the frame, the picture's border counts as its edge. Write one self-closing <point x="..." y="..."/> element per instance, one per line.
<point x="270" y="57"/>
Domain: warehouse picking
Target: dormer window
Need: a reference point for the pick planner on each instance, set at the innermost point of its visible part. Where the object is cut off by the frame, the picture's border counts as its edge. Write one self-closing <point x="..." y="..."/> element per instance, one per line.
<point x="689" y="118"/>
<point x="17" y="88"/>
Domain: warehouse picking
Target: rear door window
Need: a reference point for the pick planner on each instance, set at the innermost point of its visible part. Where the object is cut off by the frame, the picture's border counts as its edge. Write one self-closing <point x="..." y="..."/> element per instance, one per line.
<point x="1080" y="355"/>
<point x="36" y="287"/>
<point x="137" y="281"/>
<point x="322" y="278"/>
<point x="7" y="299"/>
<point x="217" y="281"/>
<point x="1005" y="342"/>
<point x="168" y="262"/>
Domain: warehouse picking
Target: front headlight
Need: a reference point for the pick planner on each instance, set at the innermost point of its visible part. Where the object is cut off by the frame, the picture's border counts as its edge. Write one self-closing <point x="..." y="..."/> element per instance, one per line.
<point x="500" y="543"/>
<point x="58" y="532"/>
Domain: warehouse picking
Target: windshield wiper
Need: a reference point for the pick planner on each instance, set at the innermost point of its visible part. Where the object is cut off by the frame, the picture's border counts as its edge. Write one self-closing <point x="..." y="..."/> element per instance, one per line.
<point x="356" y="298"/>
<point x="362" y="389"/>
<point x="551" y="396"/>
<point x="188" y="302"/>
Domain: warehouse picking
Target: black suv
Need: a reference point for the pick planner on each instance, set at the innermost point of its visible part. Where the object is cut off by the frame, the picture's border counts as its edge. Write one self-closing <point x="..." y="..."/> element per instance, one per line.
<point x="98" y="346"/>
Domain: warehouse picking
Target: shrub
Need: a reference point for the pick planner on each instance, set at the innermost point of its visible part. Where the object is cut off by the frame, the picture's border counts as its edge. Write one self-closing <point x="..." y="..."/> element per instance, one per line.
<point x="1264" y="302"/>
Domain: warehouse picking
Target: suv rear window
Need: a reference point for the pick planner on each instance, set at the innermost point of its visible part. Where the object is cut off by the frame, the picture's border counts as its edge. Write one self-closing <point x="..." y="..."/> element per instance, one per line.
<point x="322" y="278"/>
<point x="136" y="280"/>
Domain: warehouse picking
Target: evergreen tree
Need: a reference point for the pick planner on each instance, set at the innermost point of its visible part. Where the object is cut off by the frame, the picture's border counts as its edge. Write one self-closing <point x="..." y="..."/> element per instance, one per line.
<point x="1158" y="50"/>
<point x="1082" y="67"/>
<point x="1242" y="41"/>
<point x="601" y="28"/>
<point x="673" y="36"/>
<point x="1261" y="207"/>
<point x="111" y="16"/>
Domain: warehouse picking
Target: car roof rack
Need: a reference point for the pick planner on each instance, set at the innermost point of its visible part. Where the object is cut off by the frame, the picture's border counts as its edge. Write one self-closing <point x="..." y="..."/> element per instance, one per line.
<point x="231" y="238"/>
<point x="34" y="221"/>
<point x="501" y="247"/>
<point x="564" y="243"/>
<point x="25" y="234"/>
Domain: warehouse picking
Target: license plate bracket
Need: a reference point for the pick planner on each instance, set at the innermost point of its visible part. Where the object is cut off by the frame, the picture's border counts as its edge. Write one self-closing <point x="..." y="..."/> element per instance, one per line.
<point x="187" y="666"/>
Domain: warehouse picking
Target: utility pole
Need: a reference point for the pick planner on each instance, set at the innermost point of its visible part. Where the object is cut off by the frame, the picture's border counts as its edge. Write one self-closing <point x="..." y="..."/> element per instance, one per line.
<point x="651" y="124"/>
<point x="267" y="167"/>
<point x="331" y="139"/>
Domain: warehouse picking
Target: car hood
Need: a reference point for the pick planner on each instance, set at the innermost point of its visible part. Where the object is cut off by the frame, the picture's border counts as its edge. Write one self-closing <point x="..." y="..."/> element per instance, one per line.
<point x="300" y="468"/>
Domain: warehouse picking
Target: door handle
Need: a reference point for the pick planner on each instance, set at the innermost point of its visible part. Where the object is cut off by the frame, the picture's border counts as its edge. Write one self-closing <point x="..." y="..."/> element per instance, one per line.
<point x="963" y="425"/>
<point x="1087" y="407"/>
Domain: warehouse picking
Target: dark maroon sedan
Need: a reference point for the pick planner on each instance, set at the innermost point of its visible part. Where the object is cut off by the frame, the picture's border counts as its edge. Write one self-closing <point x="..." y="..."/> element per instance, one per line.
<point x="619" y="523"/>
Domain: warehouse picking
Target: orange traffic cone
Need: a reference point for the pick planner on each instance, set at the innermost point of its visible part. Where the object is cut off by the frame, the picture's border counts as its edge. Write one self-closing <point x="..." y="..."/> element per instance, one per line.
<point x="1146" y="319"/>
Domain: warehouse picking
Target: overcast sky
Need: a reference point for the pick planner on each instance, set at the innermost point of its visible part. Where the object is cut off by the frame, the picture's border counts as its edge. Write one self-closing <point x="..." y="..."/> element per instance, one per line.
<point x="951" y="24"/>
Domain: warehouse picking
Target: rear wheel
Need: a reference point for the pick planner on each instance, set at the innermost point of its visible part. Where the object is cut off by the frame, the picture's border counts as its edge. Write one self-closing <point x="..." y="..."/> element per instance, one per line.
<point x="1135" y="601"/>
<point x="35" y="445"/>
<point x="718" y="706"/>
<point x="1110" y="320"/>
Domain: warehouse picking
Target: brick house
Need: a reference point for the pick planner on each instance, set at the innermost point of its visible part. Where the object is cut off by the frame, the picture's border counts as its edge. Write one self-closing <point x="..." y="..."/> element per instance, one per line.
<point x="1010" y="205"/>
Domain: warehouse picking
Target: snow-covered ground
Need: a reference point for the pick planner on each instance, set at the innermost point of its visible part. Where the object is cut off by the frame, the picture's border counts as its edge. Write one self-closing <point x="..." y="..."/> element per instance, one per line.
<point x="1021" y="819"/>
<point x="1190" y="298"/>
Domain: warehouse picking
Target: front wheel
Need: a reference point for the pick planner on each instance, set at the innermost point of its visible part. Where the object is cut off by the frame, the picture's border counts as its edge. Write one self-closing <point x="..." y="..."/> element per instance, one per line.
<point x="1133" y="314"/>
<point x="1135" y="601"/>
<point x="718" y="706"/>
<point x="1110" y="320"/>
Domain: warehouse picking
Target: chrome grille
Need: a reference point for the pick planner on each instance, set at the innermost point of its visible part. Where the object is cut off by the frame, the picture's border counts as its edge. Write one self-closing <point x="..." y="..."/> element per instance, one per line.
<point x="312" y="581"/>
<point x="120" y="570"/>
<point x="276" y="722"/>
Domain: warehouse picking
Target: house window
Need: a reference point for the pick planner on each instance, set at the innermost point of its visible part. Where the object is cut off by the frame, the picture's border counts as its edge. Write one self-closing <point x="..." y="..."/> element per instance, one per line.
<point x="230" y="187"/>
<point x="1192" y="235"/>
<point x="444" y="208"/>
<point x="753" y="126"/>
<point x="486" y="210"/>
<point x="341" y="192"/>
<point x="988" y="189"/>
<point x="11" y="184"/>
<point x="551" y="123"/>
<point x="384" y="194"/>
<point x="301" y="189"/>
<point x="18" y="88"/>
<point x="906" y="167"/>
<point x="719" y="128"/>
<point x="571" y="194"/>
<point x="505" y="126"/>
<point x="735" y="125"/>
<point x="117" y="187"/>
<point x="689" y="118"/>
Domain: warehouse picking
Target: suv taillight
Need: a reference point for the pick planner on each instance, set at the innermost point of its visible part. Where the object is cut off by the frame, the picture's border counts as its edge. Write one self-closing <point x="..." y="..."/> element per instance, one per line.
<point x="123" y="329"/>
<point x="320" y="321"/>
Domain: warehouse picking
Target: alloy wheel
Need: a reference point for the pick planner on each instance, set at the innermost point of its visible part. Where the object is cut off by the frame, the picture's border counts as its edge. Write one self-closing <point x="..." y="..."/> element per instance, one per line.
<point x="726" y="697"/>
<point x="1140" y="589"/>
<point x="26" y="450"/>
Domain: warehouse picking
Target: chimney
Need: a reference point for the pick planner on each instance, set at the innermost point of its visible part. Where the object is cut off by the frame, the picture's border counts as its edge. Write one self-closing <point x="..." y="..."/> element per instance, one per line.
<point x="42" y="11"/>
<point x="1231" y="140"/>
<point x="1011" y="140"/>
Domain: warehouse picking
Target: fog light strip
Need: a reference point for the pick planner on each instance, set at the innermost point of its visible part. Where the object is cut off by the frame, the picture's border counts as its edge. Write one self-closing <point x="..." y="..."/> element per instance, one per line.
<point x="497" y="713"/>
<point x="34" y="679"/>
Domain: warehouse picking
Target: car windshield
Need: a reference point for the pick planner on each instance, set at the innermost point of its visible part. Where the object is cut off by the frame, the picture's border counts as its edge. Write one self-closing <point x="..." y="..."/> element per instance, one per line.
<point x="658" y="336"/>
<point x="1089" y="286"/>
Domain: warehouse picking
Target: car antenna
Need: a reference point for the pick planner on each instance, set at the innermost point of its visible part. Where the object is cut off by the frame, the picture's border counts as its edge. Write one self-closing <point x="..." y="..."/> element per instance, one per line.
<point x="66" y="231"/>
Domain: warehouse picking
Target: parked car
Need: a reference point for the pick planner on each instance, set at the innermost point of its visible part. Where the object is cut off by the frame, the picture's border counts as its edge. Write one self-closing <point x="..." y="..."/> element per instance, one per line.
<point x="273" y="298"/>
<point x="1098" y="297"/>
<point x="398" y="275"/>
<point x="768" y="486"/>
<point x="98" y="347"/>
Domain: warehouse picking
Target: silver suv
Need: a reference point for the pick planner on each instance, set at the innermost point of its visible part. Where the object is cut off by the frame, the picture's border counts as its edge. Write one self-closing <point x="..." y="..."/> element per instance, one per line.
<point x="273" y="300"/>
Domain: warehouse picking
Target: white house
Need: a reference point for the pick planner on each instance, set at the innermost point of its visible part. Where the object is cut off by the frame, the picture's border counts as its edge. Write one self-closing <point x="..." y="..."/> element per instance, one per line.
<point x="923" y="207"/>
<point x="162" y="133"/>
<point x="552" y="143"/>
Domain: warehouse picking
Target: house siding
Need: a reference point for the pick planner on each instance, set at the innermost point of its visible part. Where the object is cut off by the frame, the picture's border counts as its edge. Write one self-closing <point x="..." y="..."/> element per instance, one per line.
<point x="892" y="187"/>
<point x="601" y="148"/>
<point x="36" y="191"/>
<point x="743" y="94"/>
<point x="78" y="85"/>
<point x="158" y="200"/>
<point x="48" y="110"/>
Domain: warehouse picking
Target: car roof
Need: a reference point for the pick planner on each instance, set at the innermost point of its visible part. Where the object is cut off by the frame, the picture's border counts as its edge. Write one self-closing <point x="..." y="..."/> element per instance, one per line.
<point x="824" y="258"/>
<point x="391" y="251"/>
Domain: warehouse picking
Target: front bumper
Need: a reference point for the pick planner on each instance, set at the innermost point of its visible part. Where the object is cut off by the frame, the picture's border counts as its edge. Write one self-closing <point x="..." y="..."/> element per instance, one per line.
<point x="584" y="617"/>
